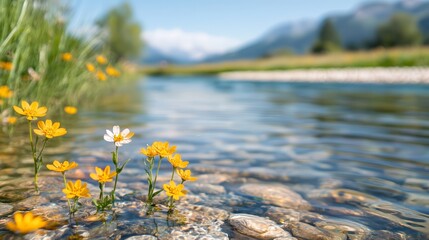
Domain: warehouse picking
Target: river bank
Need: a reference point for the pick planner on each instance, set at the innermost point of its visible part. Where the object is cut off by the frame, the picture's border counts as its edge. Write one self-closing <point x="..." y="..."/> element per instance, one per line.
<point x="412" y="75"/>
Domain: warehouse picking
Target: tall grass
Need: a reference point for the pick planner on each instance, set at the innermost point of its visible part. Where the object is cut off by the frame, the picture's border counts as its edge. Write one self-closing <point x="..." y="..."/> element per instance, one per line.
<point x="33" y="37"/>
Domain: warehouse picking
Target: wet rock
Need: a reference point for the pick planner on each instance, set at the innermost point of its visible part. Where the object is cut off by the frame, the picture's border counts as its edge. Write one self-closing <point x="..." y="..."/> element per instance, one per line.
<point x="13" y="196"/>
<point x="383" y="234"/>
<point x="119" y="191"/>
<point x="309" y="232"/>
<point x="286" y="216"/>
<point x="138" y="186"/>
<point x="5" y="209"/>
<point x="353" y="230"/>
<point x="257" y="227"/>
<point x="193" y="234"/>
<point x="206" y="188"/>
<point x="282" y="215"/>
<point x="342" y="196"/>
<point x="142" y="237"/>
<point x="417" y="183"/>
<point x="213" y="178"/>
<point x="341" y="211"/>
<point x="330" y="183"/>
<point x="30" y="203"/>
<point x="43" y="234"/>
<point x="275" y="194"/>
<point x="201" y="214"/>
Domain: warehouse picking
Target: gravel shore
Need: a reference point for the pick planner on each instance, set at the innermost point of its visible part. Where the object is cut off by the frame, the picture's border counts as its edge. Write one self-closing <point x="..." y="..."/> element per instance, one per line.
<point x="405" y="75"/>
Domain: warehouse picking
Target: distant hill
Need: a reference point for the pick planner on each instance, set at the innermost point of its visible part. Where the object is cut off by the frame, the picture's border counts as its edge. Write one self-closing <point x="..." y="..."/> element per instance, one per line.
<point x="152" y="56"/>
<point x="355" y="29"/>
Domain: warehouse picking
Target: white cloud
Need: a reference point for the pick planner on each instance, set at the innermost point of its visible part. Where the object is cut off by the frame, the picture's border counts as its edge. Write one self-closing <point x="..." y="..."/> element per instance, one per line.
<point x="192" y="45"/>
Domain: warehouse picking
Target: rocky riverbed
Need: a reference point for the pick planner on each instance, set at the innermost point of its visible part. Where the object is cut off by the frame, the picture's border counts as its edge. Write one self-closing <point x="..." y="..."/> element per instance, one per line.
<point x="413" y="75"/>
<point x="221" y="206"/>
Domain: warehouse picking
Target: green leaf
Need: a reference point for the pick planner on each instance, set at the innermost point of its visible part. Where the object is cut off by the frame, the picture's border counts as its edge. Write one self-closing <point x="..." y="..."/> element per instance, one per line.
<point x="158" y="192"/>
<point x="125" y="163"/>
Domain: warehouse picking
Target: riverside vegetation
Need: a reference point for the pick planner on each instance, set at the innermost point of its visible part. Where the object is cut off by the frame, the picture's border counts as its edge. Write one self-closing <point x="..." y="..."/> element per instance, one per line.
<point x="395" y="57"/>
<point x="40" y="59"/>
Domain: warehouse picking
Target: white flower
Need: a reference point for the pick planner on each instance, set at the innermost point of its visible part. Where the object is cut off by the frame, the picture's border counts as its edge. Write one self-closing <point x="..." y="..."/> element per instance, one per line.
<point x="118" y="137"/>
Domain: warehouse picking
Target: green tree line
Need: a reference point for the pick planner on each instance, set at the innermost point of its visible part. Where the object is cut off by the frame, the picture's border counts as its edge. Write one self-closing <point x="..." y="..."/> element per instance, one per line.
<point x="400" y="30"/>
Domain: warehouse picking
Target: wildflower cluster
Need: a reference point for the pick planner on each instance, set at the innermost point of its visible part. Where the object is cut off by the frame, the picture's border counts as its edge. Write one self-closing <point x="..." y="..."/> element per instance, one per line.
<point x="97" y="68"/>
<point x="74" y="191"/>
<point x="47" y="130"/>
<point x="174" y="191"/>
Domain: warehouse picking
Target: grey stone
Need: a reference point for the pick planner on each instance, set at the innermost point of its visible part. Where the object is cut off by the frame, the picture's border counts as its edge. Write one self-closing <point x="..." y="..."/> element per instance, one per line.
<point x="256" y="227"/>
<point x="353" y="230"/>
<point x="206" y="188"/>
<point x="5" y="209"/>
<point x="275" y="194"/>
<point x="383" y="234"/>
<point x="309" y="232"/>
<point x="142" y="237"/>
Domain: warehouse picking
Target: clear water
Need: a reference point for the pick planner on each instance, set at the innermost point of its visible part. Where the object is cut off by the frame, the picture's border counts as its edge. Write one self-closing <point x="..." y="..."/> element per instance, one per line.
<point x="369" y="141"/>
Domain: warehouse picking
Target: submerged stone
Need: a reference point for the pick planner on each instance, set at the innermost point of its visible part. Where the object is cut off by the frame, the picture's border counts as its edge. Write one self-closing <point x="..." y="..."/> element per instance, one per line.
<point x="383" y="234"/>
<point x="5" y="209"/>
<point x="257" y="227"/>
<point x="206" y="188"/>
<point x="275" y="194"/>
<point x="142" y="237"/>
<point x="309" y="232"/>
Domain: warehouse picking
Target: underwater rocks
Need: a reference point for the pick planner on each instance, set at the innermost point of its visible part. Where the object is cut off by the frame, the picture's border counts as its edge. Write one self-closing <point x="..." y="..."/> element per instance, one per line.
<point x="275" y="194"/>
<point x="257" y="227"/>
<point x="5" y="209"/>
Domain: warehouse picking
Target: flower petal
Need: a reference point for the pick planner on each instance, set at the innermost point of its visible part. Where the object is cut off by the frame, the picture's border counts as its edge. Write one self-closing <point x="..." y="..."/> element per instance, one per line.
<point x="108" y="138"/>
<point x="125" y="132"/>
<point x="109" y="133"/>
<point x="116" y="130"/>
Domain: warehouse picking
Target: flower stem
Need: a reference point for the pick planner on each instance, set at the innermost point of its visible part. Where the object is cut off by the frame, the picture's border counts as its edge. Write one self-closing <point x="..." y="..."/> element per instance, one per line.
<point x="157" y="171"/>
<point x="172" y="174"/>
<point x="43" y="148"/>
<point x="33" y="151"/>
<point x="116" y="178"/>
<point x="65" y="185"/>
<point x="150" y="180"/>
<point x="101" y="186"/>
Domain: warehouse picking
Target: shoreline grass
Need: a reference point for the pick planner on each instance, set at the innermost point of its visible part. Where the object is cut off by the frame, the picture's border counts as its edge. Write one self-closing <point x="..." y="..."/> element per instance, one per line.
<point x="40" y="60"/>
<point x="397" y="57"/>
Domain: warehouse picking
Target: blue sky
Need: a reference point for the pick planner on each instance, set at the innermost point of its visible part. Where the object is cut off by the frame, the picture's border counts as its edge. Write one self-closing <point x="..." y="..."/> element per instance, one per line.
<point x="227" y="22"/>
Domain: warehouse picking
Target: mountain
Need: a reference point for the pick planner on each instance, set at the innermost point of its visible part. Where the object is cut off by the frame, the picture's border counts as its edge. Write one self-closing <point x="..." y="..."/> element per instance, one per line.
<point x="152" y="56"/>
<point x="355" y="29"/>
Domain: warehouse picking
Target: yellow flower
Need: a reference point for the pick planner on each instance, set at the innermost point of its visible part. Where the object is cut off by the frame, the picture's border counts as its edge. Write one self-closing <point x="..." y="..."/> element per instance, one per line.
<point x="177" y="162"/>
<point x="101" y="76"/>
<point x="61" y="167"/>
<point x="185" y="175"/>
<point x="11" y="120"/>
<point x="70" y="110"/>
<point x="101" y="59"/>
<point x="103" y="176"/>
<point x="111" y="71"/>
<point x="76" y="190"/>
<point x="49" y="130"/>
<point x="90" y="67"/>
<point x="31" y="111"/>
<point x="150" y="151"/>
<point x="25" y="223"/>
<point x="6" y="65"/>
<point x="67" y="56"/>
<point x="5" y="92"/>
<point x="174" y="191"/>
<point x="163" y="149"/>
